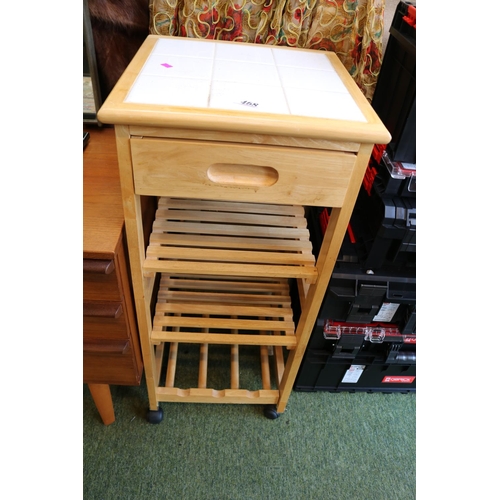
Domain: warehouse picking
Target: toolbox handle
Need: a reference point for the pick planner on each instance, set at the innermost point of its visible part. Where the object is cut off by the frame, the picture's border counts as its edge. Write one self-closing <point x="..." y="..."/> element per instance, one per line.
<point x="375" y="334"/>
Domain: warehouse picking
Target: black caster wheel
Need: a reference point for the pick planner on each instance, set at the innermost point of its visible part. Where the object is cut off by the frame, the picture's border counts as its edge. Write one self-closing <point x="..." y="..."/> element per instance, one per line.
<point x="270" y="412"/>
<point x="154" y="416"/>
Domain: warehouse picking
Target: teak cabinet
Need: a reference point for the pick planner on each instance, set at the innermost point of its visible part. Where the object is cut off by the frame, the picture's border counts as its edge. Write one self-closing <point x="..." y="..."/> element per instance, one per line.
<point x="111" y="347"/>
<point x="230" y="240"/>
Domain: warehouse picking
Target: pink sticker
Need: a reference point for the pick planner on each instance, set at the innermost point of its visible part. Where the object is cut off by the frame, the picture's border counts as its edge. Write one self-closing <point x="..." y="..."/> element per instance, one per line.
<point x="166" y="65"/>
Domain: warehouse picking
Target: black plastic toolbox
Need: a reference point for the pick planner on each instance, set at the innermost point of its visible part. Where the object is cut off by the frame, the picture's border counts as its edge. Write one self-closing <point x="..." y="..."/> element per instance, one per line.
<point x="353" y="296"/>
<point x="385" y="229"/>
<point x="394" y="98"/>
<point x="360" y="358"/>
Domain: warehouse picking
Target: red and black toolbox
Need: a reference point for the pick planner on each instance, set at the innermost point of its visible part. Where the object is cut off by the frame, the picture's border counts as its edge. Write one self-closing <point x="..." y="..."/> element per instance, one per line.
<point x="364" y="338"/>
<point x="384" y="228"/>
<point x="394" y="98"/>
<point x="360" y="358"/>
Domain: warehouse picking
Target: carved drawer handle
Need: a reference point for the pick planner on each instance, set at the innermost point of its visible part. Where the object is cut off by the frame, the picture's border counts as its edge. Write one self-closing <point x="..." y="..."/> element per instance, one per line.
<point x="98" y="266"/>
<point x="250" y="176"/>
<point x="103" y="309"/>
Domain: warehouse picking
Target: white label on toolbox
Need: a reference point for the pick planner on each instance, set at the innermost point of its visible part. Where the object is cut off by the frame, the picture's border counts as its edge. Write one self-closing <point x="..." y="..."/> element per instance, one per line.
<point x="352" y="375"/>
<point x="386" y="312"/>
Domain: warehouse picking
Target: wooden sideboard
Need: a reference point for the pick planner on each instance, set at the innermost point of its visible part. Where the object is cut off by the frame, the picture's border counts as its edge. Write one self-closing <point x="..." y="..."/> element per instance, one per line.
<point x="111" y="348"/>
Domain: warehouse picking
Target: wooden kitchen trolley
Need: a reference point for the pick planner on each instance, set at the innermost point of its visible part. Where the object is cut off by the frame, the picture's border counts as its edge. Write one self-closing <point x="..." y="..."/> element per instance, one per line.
<point x="234" y="142"/>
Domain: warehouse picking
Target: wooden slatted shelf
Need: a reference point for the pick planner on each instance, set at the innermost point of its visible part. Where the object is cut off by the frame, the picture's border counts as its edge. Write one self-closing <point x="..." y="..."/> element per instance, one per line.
<point x="224" y="310"/>
<point x="269" y="380"/>
<point x="230" y="238"/>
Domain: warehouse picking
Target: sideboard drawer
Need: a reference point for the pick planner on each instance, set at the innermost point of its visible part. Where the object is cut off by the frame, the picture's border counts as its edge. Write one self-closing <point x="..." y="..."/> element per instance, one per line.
<point x="242" y="172"/>
<point x="111" y="367"/>
<point x="95" y="327"/>
<point x="98" y="286"/>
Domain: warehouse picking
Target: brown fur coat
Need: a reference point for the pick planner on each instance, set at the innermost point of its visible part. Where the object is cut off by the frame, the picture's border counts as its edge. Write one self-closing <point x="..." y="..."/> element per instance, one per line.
<point x="119" y="28"/>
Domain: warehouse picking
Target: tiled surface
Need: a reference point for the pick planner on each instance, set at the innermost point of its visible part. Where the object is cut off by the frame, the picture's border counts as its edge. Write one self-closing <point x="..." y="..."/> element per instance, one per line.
<point x="246" y="77"/>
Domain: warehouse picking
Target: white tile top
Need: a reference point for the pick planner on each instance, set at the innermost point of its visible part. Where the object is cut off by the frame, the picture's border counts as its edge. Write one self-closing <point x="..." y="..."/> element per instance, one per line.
<point x="244" y="77"/>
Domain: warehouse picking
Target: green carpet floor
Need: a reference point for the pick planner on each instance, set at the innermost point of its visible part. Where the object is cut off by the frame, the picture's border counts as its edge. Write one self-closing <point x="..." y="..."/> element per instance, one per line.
<point x="324" y="446"/>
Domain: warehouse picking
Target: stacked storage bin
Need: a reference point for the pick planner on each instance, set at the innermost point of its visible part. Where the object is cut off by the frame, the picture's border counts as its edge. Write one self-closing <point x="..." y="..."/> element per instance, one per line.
<point x="365" y="334"/>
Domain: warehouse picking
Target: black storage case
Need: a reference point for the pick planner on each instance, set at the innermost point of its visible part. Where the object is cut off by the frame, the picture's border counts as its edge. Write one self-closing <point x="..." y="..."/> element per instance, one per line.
<point x="385" y="228"/>
<point x="353" y="296"/>
<point x="382" y="233"/>
<point x="394" y="98"/>
<point x="371" y="370"/>
<point x="363" y="305"/>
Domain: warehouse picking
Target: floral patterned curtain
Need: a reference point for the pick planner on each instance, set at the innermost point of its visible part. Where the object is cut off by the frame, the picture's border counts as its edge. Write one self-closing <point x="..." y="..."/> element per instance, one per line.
<point x="350" y="28"/>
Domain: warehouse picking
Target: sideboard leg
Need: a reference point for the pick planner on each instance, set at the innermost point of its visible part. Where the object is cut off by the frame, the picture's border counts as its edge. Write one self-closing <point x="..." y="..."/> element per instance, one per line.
<point x="102" y="399"/>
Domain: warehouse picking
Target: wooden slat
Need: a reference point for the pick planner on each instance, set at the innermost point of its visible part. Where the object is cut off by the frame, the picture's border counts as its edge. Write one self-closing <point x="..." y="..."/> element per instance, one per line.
<point x="224" y="291"/>
<point x="216" y="283"/>
<point x="279" y="363"/>
<point x="231" y="229"/>
<point x="264" y="366"/>
<point x="172" y="364"/>
<point x="224" y="338"/>
<point x="260" y="219"/>
<point x="287" y="327"/>
<point x="163" y="321"/>
<point x="222" y="309"/>
<point x="223" y="323"/>
<point x="173" y="296"/>
<point x="211" y="268"/>
<point x="203" y="367"/>
<point x="187" y="204"/>
<point x="226" y="256"/>
<point x="220" y="241"/>
<point x="235" y="366"/>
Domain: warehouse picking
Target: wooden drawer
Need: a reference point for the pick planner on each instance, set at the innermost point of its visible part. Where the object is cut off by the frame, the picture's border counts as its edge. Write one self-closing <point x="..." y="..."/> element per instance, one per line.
<point x="110" y="364"/>
<point x="240" y="172"/>
<point x="102" y="327"/>
<point x="100" y="280"/>
<point x="102" y="319"/>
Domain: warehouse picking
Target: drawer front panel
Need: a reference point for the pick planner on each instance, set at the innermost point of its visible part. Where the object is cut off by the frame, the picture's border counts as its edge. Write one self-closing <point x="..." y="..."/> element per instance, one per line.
<point x="101" y="287"/>
<point x="102" y="327"/>
<point x="120" y="369"/>
<point x="240" y="172"/>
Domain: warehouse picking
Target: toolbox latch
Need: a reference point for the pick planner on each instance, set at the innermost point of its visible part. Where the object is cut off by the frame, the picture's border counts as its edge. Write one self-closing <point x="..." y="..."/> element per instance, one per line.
<point x="331" y="331"/>
<point x="375" y="335"/>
